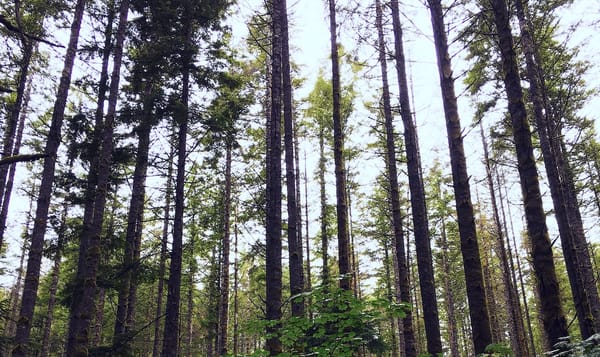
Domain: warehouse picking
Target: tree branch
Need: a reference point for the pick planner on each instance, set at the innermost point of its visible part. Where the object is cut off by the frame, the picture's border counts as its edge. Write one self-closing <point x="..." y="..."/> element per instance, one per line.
<point x="9" y="26"/>
<point x="18" y="158"/>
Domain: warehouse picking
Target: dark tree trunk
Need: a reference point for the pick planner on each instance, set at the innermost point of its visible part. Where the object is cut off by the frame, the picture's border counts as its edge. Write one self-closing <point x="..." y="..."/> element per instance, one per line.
<point x="11" y="172"/>
<point x="516" y="330"/>
<point x="294" y="243"/>
<point x="11" y="125"/>
<point x="273" y="185"/>
<point x="224" y="289"/>
<point x="417" y="198"/>
<point x="560" y="178"/>
<point x="171" y="330"/>
<point x="547" y="284"/>
<point x="449" y="296"/>
<point x="338" y="156"/>
<point x="407" y="328"/>
<point x="90" y="247"/>
<point x="126" y="302"/>
<point x="163" y="256"/>
<point x="480" y="324"/>
<point x="31" y="283"/>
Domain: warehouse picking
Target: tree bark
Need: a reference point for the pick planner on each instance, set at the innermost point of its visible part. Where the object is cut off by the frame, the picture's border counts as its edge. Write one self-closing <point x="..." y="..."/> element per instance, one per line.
<point x="224" y="289"/>
<point x="31" y="283"/>
<point x="480" y="324"/>
<point x="560" y="178"/>
<point x="406" y="326"/>
<point x="273" y="187"/>
<point x="345" y="269"/>
<point x="547" y="283"/>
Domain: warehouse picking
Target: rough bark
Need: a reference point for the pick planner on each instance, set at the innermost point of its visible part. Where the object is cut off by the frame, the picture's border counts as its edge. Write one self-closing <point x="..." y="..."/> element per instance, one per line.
<point x="480" y="324"/>
<point x="90" y="247"/>
<point x="171" y="331"/>
<point x="343" y="236"/>
<point x="547" y="283"/>
<point x="562" y="189"/>
<point x="31" y="283"/>
<point x="294" y="238"/>
<point x="516" y="330"/>
<point x="126" y="301"/>
<point x="273" y="187"/>
<point x="407" y="328"/>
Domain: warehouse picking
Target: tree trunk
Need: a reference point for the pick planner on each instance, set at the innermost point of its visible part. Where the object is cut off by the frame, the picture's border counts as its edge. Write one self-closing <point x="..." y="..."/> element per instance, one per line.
<point x="224" y="289"/>
<point x="407" y="328"/>
<point x="273" y="186"/>
<point x="236" y="278"/>
<point x="171" y="331"/>
<point x="560" y="178"/>
<point x="163" y="256"/>
<point x="126" y="302"/>
<point x="324" y="208"/>
<point x="547" y="284"/>
<point x="294" y="243"/>
<point x="480" y="323"/>
<point x="16" y="150"/>
<point x="31" y="283"/>
<point x="449" y="296"/>
<point x="307" y="238"/>
<point x="90" y="247"/>
<point x="338" y="156"/>
<point x="516" y="330"/>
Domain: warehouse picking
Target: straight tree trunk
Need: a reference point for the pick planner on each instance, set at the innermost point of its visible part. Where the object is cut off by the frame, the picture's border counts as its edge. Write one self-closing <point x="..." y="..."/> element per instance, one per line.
<point x="171" y="331"/>
<point x="236" y="278"/>
<point x="560" y="178"/>
<point x="224" y="289"/>
<point x="325" y="275"/>
<point x="90" y="248"/>
<point x="34" y="260"/>
<point x="294" y="238"/>
<point x="338" y="157"/>
<point x="417" y="198"/>
<point x="13" y="168"/>
<point x="516" y="330"/>
<point x="273" y="186"/>
<point x="547" y="283"/>
<point x="407" y="328"/>
<point x="449" y="296"/>
<point x="163" y="256"/>
<point x="135" y="216"/>
<point x="307" y="239"/>
<point x="478" y="311"/>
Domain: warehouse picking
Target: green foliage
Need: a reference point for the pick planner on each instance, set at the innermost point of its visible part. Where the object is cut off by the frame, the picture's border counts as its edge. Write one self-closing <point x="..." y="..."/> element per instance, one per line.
<point x="340" y="326"/>
<point x="588" y="348"/>
<point x="497" y="349"/>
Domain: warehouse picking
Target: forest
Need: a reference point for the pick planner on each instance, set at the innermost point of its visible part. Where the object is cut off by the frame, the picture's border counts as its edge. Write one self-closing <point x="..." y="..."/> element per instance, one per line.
<point x="304" y="178"/>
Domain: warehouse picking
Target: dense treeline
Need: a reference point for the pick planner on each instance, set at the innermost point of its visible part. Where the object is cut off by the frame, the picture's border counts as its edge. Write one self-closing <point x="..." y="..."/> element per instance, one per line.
<point x="166" y="190"/>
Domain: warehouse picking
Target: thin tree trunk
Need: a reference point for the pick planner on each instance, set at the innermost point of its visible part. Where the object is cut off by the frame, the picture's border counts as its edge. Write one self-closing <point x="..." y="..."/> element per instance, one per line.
<point x="294" y="243"/>
<point x="449" y="295"/>
<point x="407" y="328"/>
<point x="324" y="209"/>
<point x="90" y="248"/>
<point x="224" y="289"/>
<point x="236" y="279"/>
<point x="13" y="168"/>
<point x="171" y="330"/>
<point x="126" y="301"/>
<point x="466" y="222"/>
<point x="345" y="281"/>
<point x="307" y="240"/>
<point x="417" y="197"/>
<point x="31" y="283"/>
<point x="516" y="330"/>
<point x="273" y="186"/>
<point x="547" y="283"/>
<point x="163" y="256"/>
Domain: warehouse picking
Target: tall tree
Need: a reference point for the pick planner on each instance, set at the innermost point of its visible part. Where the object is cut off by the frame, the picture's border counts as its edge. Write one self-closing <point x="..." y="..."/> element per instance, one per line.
<point x="407" y="328"/>
<point x="480" y="324"/>
<point x="293" y="229"/>
<point x="562" y="188"/>
<point x="273" y="185"/>
<point x="89" y="252"/>
<point x="551" y="310"/>
<point x="338" y="154"/>
<point x="34" y="260"/>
